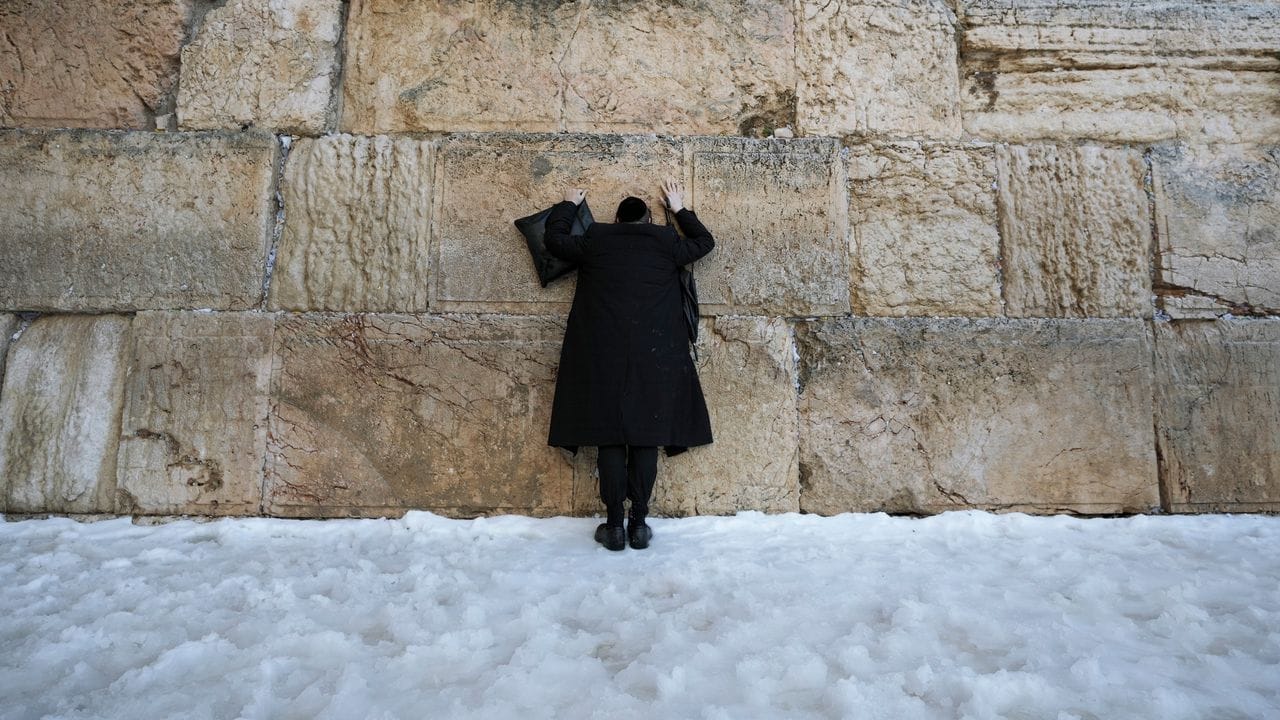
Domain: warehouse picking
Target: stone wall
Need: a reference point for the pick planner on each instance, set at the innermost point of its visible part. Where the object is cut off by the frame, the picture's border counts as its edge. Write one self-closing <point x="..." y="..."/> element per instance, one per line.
<point x="257" y="257"/>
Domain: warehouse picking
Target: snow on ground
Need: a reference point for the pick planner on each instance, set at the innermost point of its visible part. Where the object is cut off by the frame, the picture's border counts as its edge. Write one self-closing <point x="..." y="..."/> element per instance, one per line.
<point x="966" y="614"/>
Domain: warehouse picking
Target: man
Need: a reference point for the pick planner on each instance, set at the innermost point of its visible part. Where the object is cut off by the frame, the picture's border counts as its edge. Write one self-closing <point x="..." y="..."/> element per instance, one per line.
<point x="626" y="382"/>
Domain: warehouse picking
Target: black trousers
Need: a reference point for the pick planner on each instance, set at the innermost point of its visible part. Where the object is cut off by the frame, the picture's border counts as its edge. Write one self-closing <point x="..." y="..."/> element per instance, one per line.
<point x="627" y="472"/>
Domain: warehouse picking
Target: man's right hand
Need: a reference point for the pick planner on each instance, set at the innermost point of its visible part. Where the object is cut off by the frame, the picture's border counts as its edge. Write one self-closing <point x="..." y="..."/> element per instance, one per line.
<point x="575" y="195"/>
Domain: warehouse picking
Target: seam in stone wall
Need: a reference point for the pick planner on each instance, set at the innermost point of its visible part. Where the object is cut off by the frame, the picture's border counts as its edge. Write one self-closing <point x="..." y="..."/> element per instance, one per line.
<point x="333" y="113"/>
<point x="277" y="183"/>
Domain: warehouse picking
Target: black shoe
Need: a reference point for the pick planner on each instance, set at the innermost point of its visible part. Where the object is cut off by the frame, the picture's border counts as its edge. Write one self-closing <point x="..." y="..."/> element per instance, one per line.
<point x="613" y="537"/>
<point x="639" y="534"/>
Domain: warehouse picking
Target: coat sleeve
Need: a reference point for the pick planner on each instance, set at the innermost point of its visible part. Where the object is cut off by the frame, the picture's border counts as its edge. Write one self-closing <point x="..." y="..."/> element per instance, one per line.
<point x="558" y="238"/>
<point x="697" y="240"/>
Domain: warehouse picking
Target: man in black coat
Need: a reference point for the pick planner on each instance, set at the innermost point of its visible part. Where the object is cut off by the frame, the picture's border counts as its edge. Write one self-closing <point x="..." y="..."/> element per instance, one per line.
<point x="626" y="382"/>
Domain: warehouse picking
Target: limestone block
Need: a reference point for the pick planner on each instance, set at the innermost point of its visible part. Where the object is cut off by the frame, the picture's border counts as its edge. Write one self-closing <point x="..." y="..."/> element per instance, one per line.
<point x="1120" y="71"/>
<point x="1077" y="231"/>
<point x="778" y="213"/>
<point x="924" y="415"/>
<point x="378" y="414"/>
<point x="924" y="236"/>
<point x="1218" y="219"/>
<point x="710" y="67"/>
<point x="124" y="221"/>
<point x="480" y="262"/>
<point x="8" y="326"/>
<point x="1218" y="414"/>
<point x="357" y="225"/>
<point x="193" y="434"/>
<point x="262" y="63"/>
<point x="89" y="63"/>
<point x="747" y="370"/>
<point x="60" y="414"/>
<point x="878" y="67"/>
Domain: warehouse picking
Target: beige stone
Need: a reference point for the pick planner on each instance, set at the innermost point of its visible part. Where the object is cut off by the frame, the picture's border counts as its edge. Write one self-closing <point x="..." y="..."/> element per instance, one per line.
<point x="923" y="223"/>
<point x="193" y="434"/>
<point x="480" y="261"/>
<point x="357" y="225"/>
<point x="881" y="68"/>
<point x="1120" y="71"/>
<point x="262" y="63"/>
<point x="122" y="221"/>
<point x="1218" y="220"/>
<point x="1076" y="229"/>
<point x="747" y="369"/>
<point x="711" y="67"/>
<point x="60" y="414"/>
<point x="378" y="414"/>
<point x="1218" y="414"/>
<point x="89" y="63"/>
<point x="924" y="415"/>
<point x="778" y="213"/>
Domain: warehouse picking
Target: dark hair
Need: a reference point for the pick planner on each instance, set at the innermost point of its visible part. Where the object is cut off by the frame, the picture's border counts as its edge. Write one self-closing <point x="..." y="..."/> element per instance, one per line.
<point x="632" y="209"/>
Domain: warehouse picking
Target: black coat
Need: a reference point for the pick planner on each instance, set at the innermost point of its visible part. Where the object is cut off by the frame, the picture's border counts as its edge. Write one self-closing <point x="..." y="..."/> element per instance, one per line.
<point x="625" y="373"/>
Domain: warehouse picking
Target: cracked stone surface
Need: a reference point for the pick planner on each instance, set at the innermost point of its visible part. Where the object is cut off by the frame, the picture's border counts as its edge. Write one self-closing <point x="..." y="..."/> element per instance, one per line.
<point x="1076" y="229"/>
<point x="89" y="63"/>
<point x="878" y="68"/>
<point x="91" y="220"/>
<point x="60" y="414"/>
<point x="1218" y="219"/>
<point x="1218" y="414"/>
<point x="777" y="211"/>
<point x="357" y="225"/>
<point x="924" y="415"/>
<point x="708" y="67"/>
<point x="747" y="369"/>
<point x="481" y="263"/>
<point x="1120" y="71"/>
<point x="377" y="414"/>
<point x="262" y="63"/>
<point x="194" y="428"/>
<point x="922" y="218"/>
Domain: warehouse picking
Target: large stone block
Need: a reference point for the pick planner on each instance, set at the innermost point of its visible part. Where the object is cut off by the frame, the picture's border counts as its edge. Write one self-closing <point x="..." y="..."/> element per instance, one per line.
<point x="1077" y="231"/>
<point x="262" y="63"/>
<point x="1218" y="221"/>
<point x="778" y="213"/>
<point x="378" y="414"/>
<point x="578" y="66"/>
<point x="1218" y="414"/>
<point x="60" y="414"/>
<point x="924" y="235"/>
<point x="919" y="415"/>
<point x="1120" y="71"/>
<point x="194" y="430"/>
<point x="89" y="63"/>
<point x="133" y="221"/>
<point x="883" y="68"/>
<point x="357" y="225"/>
<point x="747" y="369"/>
<point x="480" y="261"/>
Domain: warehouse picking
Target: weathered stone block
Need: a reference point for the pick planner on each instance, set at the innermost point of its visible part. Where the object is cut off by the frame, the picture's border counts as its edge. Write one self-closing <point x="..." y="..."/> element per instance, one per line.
<point x="578" y="66"/>
<point x="8" y="326"/>
<point x="480" y="261"/>
<point x="1077" y="231"/>
<point x="1218" y="414"/>
<point x="60" y="414"/>
<point x="747" y="369"/>
<point x="877" y="67"/>
<point x="124" y="221"/>
<point x="262" y="63"/>
<point x="923" y="221"/>
<point x="1120" y="71"/>
<point x="1218" y="219"/>
<point x="918" y="415"/>
<point x="378" y="414"/>
<point x="357" y="225"/>
<point x="778" y="213"/>
<point x="193" y="435"/>
<point x="89" y="63"/>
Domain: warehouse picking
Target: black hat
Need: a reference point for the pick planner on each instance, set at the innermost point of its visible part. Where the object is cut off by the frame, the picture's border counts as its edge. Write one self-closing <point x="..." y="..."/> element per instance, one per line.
<point x="632" y="209"/>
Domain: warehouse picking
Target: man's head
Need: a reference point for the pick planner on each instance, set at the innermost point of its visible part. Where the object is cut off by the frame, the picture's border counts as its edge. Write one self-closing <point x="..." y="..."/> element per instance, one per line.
<point x="633" y="209"/>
